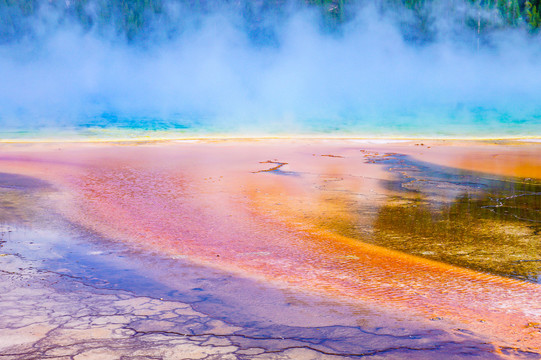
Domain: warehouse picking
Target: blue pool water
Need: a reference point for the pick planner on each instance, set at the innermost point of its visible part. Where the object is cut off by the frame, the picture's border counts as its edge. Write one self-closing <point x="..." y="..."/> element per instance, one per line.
<point x="425" y="121"/>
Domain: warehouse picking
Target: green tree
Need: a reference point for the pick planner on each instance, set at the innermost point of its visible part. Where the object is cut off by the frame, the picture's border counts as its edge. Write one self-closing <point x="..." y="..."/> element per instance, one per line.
<point x="532" y="15"/>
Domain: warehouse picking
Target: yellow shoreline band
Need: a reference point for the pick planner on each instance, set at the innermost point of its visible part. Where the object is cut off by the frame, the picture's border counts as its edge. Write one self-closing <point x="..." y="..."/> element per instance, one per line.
<point x="255" y="138"/>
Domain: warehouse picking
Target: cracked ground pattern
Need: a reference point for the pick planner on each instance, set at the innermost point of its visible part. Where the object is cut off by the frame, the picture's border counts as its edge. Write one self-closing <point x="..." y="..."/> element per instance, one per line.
<point x="78" y="321"/>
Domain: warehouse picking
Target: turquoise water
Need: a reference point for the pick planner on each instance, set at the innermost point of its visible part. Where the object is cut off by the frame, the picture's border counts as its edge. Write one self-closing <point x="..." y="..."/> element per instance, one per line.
<point x="425" y="122"/>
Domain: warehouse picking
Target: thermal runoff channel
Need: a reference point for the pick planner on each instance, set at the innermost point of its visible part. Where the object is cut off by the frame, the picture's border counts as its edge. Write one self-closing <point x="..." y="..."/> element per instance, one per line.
<point x="279" y="248"/>
<point x="386" y="68"/>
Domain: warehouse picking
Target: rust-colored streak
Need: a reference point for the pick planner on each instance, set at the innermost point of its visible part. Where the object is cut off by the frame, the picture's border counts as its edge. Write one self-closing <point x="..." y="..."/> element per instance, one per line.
<point x="273" y="168"/>
<point x="203" y="201"/>
<point x="332" y="156"/>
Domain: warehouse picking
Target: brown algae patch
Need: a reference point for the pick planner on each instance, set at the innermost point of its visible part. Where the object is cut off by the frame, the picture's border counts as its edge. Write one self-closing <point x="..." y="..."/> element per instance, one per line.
<point x="487" y="224"/>
<point x="463" y="233"/>
<point x="21" y="199"/>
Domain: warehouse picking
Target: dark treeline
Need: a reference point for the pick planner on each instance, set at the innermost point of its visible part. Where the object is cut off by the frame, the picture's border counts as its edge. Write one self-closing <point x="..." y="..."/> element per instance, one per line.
<point x="135" y="20"/>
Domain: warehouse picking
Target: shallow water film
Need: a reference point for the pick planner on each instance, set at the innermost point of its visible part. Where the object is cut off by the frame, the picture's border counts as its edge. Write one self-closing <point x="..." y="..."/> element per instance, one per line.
<point x="469" y="219"/>
<point x="274" y="249"/>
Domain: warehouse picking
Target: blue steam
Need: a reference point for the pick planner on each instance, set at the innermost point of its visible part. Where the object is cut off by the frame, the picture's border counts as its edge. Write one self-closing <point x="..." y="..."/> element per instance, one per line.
<point x="289" y="77"/>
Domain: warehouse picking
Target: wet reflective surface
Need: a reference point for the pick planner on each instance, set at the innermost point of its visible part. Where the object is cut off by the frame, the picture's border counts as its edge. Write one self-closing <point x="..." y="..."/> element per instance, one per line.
<point x="265" y="251"/>
<point x="482" y="222"/>
<point x="69" y="293"/>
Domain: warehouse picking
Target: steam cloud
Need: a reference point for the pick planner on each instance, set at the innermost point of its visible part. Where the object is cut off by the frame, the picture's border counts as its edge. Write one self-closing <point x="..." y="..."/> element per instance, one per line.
<point x="364" y="79"/>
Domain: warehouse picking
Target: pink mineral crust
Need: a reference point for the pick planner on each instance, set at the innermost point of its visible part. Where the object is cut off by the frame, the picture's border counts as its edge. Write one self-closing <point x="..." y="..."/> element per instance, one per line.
<point x="215" y="204"/>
